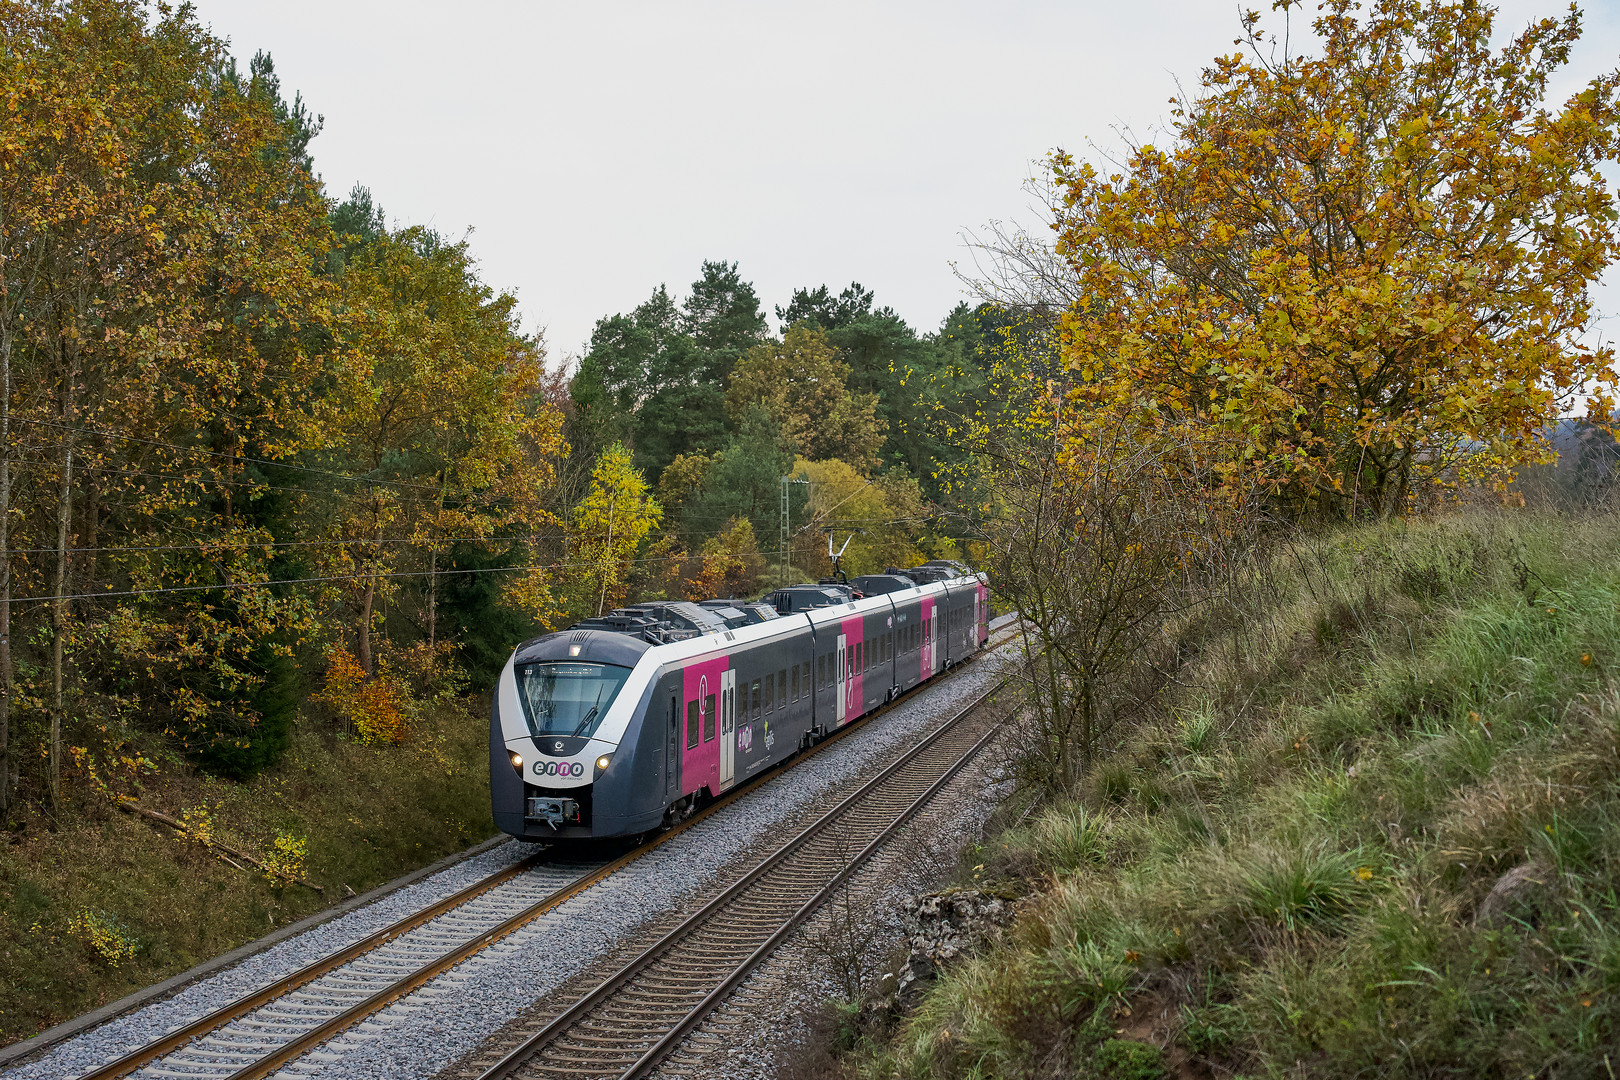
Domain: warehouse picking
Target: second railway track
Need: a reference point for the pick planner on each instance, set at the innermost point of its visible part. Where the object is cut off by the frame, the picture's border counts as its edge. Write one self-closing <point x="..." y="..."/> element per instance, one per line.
<point x="639" y="1015"/>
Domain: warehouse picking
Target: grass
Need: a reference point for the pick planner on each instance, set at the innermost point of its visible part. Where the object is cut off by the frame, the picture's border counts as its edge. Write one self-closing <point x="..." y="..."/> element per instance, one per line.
<point x="1289" y="869"/>
<point x="110" y="903"/>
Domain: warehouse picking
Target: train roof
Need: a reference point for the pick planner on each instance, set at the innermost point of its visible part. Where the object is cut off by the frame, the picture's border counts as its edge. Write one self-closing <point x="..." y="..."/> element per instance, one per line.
<point x="679" y="629"/>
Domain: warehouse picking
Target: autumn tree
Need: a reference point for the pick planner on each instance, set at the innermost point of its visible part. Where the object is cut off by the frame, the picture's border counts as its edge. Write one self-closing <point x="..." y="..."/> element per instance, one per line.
<point x="729" y="564"/>
<point x="883" y="517"/>
<point x="1355" y="274"/>
<point x="434" y="412"/>
<point x="607" y="528"/>
<point x="160" y="228"/>
<point x="802" y="382"/>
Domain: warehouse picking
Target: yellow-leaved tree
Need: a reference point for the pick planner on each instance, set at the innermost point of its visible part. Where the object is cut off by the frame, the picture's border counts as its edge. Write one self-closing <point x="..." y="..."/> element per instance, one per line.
<point x="1353" y="276"/>
<point x="607" y="528"/>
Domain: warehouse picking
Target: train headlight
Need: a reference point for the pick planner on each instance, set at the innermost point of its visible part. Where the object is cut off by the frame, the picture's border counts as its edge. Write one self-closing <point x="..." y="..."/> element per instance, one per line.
<point x="517" y="762"/>
<point x="602" y="762"/>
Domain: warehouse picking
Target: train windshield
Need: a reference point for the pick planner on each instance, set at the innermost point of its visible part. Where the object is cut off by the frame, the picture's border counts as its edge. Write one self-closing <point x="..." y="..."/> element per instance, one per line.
<point x="567" y="699"/>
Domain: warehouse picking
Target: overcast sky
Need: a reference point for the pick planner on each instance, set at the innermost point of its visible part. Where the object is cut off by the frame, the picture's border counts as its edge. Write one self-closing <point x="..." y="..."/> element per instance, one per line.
<point x="598" y="149"/>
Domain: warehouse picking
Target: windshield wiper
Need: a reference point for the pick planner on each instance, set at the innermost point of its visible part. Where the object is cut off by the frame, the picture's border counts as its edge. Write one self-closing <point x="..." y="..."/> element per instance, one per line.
<point x="590" y="713"/>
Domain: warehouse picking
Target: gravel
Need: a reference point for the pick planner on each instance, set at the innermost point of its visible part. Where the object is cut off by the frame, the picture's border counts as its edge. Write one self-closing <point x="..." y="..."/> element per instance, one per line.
<point x="450" y="1016"/>
<point x="767" y="1026"/>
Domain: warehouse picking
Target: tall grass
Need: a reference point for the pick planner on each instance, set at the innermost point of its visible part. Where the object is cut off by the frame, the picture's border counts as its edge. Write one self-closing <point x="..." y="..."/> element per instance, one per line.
<point x="1291" y="868"/>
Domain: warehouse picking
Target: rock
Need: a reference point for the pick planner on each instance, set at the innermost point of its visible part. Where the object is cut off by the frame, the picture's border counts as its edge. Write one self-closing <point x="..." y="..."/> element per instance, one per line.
<point x="941" y="928"/>
<point x="1516" y="894"/>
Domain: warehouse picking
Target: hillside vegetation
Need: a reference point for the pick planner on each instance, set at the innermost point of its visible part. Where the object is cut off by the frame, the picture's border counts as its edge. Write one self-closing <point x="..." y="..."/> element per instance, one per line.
<point x="1375" y="832"/>
<point x="113" y="902"/>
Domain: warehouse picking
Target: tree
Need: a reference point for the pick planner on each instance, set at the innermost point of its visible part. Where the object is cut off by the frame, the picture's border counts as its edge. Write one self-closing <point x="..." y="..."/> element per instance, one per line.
<point x="723" y="318"/>
<point x="649" y="382"/>
<point x="743" y="480"/>
<point x="1351" y="275"/>
<point x="161" y="228"/>
<point x="608" y="527"/>
<point x="822" y="310"/>
<point x="729" y="564"/>
<point x="436" y="408"/>
<point x="883" y="517"/>
<point x="803" y="384"/>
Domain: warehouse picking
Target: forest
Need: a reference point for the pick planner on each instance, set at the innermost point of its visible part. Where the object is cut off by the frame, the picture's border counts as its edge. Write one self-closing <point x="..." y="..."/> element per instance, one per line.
<point x="262" y="444"/>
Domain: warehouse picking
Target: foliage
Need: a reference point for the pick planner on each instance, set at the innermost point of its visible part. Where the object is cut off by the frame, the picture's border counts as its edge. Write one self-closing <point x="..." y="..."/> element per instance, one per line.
<point x="217" y="386"/>
<point x="803" y="384"/>
<point x="743" y="480"/>
<point x="881" y="517"/>
<point x="608" y="527"/>
<point x="730" y="564"/>
<point x="1353" y="276"/>
<point x="284" y="861"/>
<point x="376" y="708"/>
<point x="1395" y="852"/>
<point x="108" y="938"/>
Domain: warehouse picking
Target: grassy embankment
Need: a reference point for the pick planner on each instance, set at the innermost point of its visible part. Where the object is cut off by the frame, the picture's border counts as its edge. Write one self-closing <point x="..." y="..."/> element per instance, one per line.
<point x="1288" y="872"/>
<point x="110" y="902"/>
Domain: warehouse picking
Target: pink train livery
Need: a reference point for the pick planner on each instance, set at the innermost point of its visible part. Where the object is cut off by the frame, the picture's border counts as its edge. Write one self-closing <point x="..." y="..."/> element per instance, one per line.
<point x="624" y="724"/>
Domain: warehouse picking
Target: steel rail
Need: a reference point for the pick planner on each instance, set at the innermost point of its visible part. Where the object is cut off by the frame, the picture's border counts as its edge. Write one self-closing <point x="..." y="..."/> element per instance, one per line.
<point x="700" y="1012"/>
<point x="515" y="1059"/>
<point x="218" y="1018"/>
<point x="208" y="1022"/>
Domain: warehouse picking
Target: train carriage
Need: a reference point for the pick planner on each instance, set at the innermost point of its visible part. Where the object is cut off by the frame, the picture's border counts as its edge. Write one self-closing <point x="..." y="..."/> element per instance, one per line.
<point x="627" y="722"/>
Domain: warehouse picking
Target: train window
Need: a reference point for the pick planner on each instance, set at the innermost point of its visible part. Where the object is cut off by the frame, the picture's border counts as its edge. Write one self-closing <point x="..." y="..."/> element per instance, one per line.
<point x="770" y="692"/>
<point x="708" y="718"/>
<point x="781" y="688"/>
<point x="807" y="678"/>
<point x="691" y="724"/>
<point x="755" y="691"/>
<point x="795" y="682"/>
<point x="821" y="671"/>
<point x="567" y="698"/>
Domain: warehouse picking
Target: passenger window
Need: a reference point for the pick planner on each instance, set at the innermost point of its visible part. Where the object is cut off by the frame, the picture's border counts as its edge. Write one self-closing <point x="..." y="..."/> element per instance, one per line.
<point x="770" y="692"/>
<point x="691" y="724"/>
<point x="708" y="718"/>
<point x="756" y="712"/>
<point x="821" y="671"/>
<point x="807" y="678"/>
<point x="795" y="682"/>
<point x="781" y="688"/>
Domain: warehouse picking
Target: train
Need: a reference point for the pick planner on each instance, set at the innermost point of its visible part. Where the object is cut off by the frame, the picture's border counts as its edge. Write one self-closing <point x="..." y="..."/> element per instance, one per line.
<point x="628" y="723"/>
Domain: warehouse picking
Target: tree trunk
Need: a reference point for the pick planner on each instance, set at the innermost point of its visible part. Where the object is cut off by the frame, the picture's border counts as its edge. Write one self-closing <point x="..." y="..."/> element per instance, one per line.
<point x="64" y="509"/>
<point x="602" y="600"/>
<point x="366" y="606"/>
<point x="433" y="604"/>
<point x="5" y="547"/>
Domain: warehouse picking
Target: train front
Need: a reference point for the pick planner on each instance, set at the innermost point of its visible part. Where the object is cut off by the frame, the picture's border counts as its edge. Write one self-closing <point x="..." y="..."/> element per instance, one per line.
<point x="563" y="734"/>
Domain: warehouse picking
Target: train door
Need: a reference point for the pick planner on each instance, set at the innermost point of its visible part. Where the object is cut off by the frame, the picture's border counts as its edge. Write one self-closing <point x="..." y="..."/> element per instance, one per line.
<point x="975" y="643"/>
<point x="928" y="641"/>
<point x="728" y="727"/>
<point x="841" y="674"/>
<point x="672" y="752"/>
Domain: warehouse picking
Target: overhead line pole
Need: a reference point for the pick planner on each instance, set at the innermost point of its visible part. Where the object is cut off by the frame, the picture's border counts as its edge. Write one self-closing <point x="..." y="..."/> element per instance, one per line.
<point x="787" y="561"/>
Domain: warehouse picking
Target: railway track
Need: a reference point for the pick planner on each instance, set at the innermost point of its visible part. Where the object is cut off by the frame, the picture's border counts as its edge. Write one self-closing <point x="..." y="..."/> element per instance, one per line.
<point x="262" y="1032"/>
<point x="641" y="1013"/>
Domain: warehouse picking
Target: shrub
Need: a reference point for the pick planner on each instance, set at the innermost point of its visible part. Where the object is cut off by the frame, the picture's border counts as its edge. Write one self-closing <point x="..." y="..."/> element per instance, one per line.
<point x="1122" y="1059"/>
<point x="375" y="707"/>
<point x="106" y="935"/>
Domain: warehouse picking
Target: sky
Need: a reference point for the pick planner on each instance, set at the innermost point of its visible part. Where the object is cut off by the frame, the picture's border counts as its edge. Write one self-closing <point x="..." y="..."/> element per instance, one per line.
<point x="596" y="150"/>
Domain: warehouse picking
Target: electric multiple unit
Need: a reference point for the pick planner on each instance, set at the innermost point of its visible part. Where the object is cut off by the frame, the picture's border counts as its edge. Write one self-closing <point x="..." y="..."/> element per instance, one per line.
<point x="624" y="723"/>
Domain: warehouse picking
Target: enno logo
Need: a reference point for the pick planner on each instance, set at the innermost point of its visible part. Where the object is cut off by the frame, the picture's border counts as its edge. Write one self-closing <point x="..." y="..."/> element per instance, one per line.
<point x="558" y="768"/>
